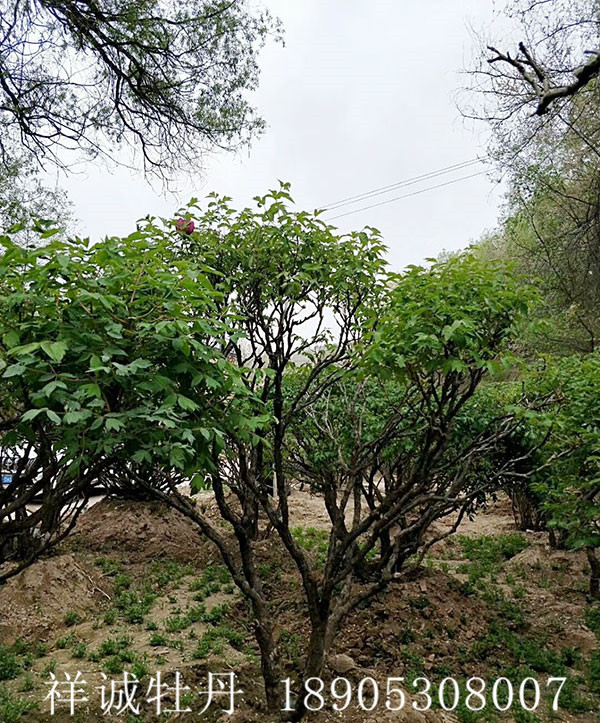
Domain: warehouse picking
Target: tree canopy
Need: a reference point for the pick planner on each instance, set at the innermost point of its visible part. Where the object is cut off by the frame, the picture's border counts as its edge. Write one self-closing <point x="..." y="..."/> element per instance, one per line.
<point x="169" y="79"/>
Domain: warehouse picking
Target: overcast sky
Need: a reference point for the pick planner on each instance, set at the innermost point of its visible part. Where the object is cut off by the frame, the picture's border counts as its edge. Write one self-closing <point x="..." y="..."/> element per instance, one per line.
<point x="361" y="96"/>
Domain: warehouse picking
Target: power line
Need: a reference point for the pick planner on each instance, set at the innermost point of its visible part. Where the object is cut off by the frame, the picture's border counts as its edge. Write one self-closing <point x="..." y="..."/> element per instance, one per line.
<point x="399" y="184"/>
<point x="406" y="195"/>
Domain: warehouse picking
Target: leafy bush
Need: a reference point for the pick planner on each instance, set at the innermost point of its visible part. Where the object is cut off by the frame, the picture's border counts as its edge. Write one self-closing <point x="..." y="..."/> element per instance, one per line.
<point x="127" y="320"/>
<point x="569" y="484"/>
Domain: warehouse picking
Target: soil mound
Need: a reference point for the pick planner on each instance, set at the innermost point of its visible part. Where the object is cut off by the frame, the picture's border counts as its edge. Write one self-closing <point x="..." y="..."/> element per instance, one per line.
<point x="37" y="599"/>
<point x="428" y="617"/>
<point x="149" y="528"/>
<point x="542" y="558"/>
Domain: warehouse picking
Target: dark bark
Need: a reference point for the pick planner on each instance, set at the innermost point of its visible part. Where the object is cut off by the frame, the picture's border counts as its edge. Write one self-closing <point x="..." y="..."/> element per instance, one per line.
<point x="594" y="573"/>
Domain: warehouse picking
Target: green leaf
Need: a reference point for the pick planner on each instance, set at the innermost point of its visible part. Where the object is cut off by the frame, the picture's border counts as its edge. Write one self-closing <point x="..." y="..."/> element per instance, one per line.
<point x="142" y="455"/>
<point x="138" y="364"/>
<point x="52" y="416"/>
<point x="52" y="386"/>
<point x="186" y="403"/>
<point x="10" y="339"/>
<point x="14" y="370"/>
<point x="25" y="349"/>
<point x="31" y="414"/>
<point x="96" y="364"/>
<point x="49" y="233"/>
<point x="113" y="424"/>
<point x="91" y="390"/>
<point x="76" y="416"/>
<point x="56" y="350"/>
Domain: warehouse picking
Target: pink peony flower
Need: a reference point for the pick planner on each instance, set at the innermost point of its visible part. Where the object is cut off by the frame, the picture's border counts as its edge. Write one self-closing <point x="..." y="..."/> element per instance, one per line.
<point x="185" y="225"/>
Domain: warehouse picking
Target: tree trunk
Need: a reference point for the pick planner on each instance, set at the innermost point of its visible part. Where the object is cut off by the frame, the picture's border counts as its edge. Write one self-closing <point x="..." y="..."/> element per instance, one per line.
<point x="557" y="538"/>
<point x="594" y="573"/>
<point x="265" y="640"/>
<point x="527" y="511"/>
<point x="321" y="638"/>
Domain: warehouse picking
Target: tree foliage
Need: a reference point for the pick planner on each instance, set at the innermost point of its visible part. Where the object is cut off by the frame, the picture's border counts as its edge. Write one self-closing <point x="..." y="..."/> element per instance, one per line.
<point x="322" y="329"/>
<point x="547" y="83"/>
<point x="568" y="489"/>
<point x="26" y="203"/>
<point x="551" y="223"/>
<point x="109" y="363"/>
<point x="168" y="78"/>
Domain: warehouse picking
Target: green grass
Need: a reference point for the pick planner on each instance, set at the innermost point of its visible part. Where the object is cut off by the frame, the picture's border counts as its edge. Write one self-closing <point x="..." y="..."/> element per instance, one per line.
<point x="413" y="663"/>
<point x="134" y="604"/>
<point x="508" y="611"/>
<point x="518" y="657"/>
<point x="109" y="566"/>
<point x="49" y="668"/>
<point x="10" y="667"/>
<point x="110" y="617"/>
<point x="313" y="540"/>
<point x="140" y="667"/>
<point x="66" y="641"/>
<point x="486" y="554"/>
<point x="122" y="582"/>
<point x="592" y="618"/>
<point x="110" y="646"/>
<point x="176" y="623"/>
<point x="570" y="699"/>
<point x="80" y="650"/>
<point x="122" y="658"/>
<point x="268" y="571"/>
<point x="72" y="618"/>
<point x="216" y="614"/>
<point x="213" y="640"/>
<point x="525" y="716"/>
<point x="36" y="649"/>
<point x="213" y="578"/>
<point x="198" y="613"/>
<point x="179" y="621"/>
<point x="113" y="666"/>
<point x="18" y="657"/>
<point x="520" y="649"/>
<point x="28" y="683"/>
<point x="291" y="644"/>
<point x="167" y="572"/>
<point x="158" y="640"/>
<point x="593" y="670"/>
<point x="13" y="709"/>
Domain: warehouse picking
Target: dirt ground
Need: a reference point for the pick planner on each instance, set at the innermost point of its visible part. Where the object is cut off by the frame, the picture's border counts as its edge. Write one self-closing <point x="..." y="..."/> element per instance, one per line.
<point x="136" y="588"/>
